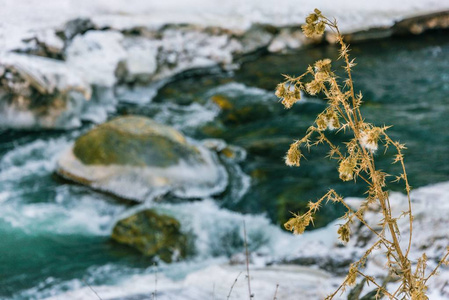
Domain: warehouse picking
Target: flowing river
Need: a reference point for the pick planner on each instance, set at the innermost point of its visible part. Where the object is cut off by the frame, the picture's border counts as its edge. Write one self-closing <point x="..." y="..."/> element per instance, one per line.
<point x="55" y="234"/>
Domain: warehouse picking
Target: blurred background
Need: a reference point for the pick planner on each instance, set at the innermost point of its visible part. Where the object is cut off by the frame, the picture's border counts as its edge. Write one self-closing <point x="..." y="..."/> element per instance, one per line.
<point x="205" y="72"/>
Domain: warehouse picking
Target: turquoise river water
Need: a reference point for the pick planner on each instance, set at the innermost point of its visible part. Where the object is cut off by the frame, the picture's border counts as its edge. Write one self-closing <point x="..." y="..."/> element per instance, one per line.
<point x="55" y="235"/>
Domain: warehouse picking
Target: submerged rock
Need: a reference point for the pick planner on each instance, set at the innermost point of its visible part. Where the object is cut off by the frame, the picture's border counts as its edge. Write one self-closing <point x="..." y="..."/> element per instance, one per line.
<point x="137" y="158"/>
<point x="234" y="112"/>
<point x="152" y="234"/>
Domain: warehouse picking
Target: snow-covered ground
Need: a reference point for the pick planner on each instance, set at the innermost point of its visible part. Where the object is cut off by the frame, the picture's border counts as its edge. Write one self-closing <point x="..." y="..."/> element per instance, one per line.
<point x="19" y="19"/>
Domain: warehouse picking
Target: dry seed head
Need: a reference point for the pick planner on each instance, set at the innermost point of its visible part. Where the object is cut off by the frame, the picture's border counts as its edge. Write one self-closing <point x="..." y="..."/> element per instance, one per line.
<point x="297" y="93"/>
<point x="351" y="278"/>
<point x="289" y="94"/>
<point x="346" y="168"/>
<point x="293" y="156"/>
<point x="334" y="123"/>
<point x="344" y="233"/>
<point x="280" y="90"/>
<point x="311" y="18"/>
<point x="313" y="24"/>
<point x="298" y="224"/>
<point x="332" y="120"/>
<point x="321" y="123"/>
<point x="313" y="87"/>
<point x="321" y="76"/>
<point x="369" y="138"/>
<point x="289" y="100"/>
<point x="323" y="65"/>
<point x="308" y="29"/>
<point x="328" y="121"/>
<point x="320" y="27"/>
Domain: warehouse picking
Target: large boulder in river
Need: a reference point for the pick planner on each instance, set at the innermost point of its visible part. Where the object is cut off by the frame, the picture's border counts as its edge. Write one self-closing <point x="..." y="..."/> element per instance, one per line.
<point x="152" y="234"/>
<point x="137" y="158"/>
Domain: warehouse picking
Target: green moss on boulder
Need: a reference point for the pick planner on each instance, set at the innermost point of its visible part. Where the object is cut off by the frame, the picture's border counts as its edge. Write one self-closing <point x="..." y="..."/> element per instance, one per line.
<point x="134" y="141"/>
<point x="152" y="234"/>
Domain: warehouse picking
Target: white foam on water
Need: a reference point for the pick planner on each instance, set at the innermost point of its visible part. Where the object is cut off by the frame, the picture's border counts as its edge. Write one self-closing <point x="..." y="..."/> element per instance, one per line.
<point x="186" y="116"/>
<point x="37" y="157"/>
<point x="70" y="211"/>
<point x="88" y="214"/>
<point x="240" y="183"/>
<point x="236" y="89"/>
<point x="139" y="94"/>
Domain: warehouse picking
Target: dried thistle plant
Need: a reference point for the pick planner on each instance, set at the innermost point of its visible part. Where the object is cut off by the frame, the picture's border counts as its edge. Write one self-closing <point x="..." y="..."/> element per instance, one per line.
<point x="356" y="160"/>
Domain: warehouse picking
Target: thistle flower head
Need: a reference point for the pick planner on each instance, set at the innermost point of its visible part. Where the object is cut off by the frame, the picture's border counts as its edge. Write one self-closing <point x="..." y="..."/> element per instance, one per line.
<point x="288" y="101"/>
<point x="321" y="123"/>
<point x="329" y="120"/>
<point x="319" y="28"/>
<point x="323" y="65"/>
<point x="280" y="90"/>
<point x="308" y="29"/>
<point x="289" y="94"/>
<point x="314" y="24"/>
<point x="321" y="76"/>
<point x="351" y="278"/>
<point x="346" y="168"/>
<point x="344" y="233"/>
<point x="369" y="138"/>
<point x="332" y="120"/>
<point x="313" y="87"/>
<point x="298" y="224"/>
<point x="312" y="18"/>
<point x="293" y="156"/>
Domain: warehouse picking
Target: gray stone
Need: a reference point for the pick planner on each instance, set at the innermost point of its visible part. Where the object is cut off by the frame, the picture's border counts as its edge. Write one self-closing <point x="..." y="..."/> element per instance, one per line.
<point x="137" y="158"/>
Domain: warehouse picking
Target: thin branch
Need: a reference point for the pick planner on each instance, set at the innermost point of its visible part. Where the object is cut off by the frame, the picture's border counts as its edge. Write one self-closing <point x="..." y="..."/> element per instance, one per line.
<point x="247" y="261"/>
<point x="91" y="288"/>
<point x="276" y="292"/>
<point x="232" y="286"/>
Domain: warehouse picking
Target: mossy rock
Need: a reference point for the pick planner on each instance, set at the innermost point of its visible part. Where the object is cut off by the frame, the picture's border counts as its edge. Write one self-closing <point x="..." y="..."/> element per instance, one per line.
<point x="152" y="234"/>
<point x="134" y="141"/>
<point x="138" y="159"/>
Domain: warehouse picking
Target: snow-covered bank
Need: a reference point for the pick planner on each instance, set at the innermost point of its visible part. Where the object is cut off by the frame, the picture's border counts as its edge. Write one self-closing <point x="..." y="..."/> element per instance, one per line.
<point x="110" y="43"/>
<point x="21" y="19"/>
<point x="430" y="205"/>
<point x="217" y="282"/>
